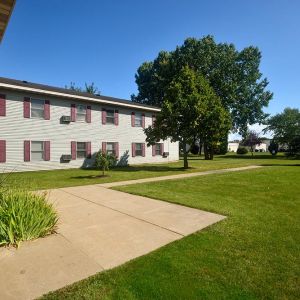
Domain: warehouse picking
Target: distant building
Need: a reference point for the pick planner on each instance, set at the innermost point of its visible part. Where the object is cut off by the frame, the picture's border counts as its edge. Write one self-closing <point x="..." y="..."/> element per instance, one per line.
<point x="233" y="146"/>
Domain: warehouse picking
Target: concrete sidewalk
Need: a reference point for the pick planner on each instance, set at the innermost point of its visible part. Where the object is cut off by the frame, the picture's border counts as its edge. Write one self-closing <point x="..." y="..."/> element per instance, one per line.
<point x="98" y="230"/>
<point x="177" y="176"/>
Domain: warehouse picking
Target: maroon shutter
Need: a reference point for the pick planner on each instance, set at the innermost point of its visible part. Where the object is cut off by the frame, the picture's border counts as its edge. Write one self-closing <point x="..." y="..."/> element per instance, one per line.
<point x="143" y="150"/>
<point x="103" y="147"/>
<point x="116" y="117"/>
<point x="88" y="149"/>
<point x="26" y="150"/>
<point x="2" y="105"/>
<point x="73" y="150"/>
<point x="132" y="119"/>
<point x="133" y="149"/>
<point x="162" y="149"/>
<point x="47" y="150"/>
<point x="153" y="150"/>
<point x="2" y="151"/>
<point x="73" y="112"/>
<point x="26" y="107"/>
<point x="47" y="110"/>
<point x="117" y="149"/>
<point x="153" y="119"/>
<point x="103" y="116"/>
<point x="143" y="120"/>
<point x="88" y="114"/>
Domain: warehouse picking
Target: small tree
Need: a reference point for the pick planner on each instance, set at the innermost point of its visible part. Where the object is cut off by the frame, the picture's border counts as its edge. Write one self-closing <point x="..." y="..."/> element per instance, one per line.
<point x="251" y="140"/>
<point x="104" y="161"/>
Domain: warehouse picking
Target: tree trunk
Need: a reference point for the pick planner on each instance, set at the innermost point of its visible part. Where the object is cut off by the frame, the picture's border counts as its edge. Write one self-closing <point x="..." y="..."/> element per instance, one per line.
<point x="200" y="148"/>
<point x="185" y="156"/>
<point x="211" y="153"/>
<point x="206" y="153"/>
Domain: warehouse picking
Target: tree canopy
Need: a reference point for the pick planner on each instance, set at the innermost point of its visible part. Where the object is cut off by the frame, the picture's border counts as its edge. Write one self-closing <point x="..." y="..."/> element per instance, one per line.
<point x="190" y="108"/>
<point x="286" y="128"/>
<point x="234" y="76"/>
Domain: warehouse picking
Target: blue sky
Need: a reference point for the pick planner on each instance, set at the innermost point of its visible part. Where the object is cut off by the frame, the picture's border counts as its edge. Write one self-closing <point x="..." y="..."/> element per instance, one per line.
<point x="56" y="42"/>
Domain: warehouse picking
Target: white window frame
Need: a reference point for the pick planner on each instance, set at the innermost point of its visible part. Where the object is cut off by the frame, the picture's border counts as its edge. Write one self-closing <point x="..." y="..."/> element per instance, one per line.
<point x="138" y="120"/>
<point x="141" y="150"/>
<point x="158" y="147"/>
<point x="81" y="151"/>
<point x="32" y="100"/>
<point x="42" y="151"/>
<point x="113" y="151"/>
<point x="110" y="119"/>
<point x="79" y="116"/>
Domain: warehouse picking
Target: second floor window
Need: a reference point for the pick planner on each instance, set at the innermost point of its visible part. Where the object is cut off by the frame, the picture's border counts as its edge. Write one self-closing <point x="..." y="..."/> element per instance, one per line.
<point x="37" y="108"/>
<point x="81" y="113"/>
<point x="138" y="121"/>
<point x="110" y="116"/>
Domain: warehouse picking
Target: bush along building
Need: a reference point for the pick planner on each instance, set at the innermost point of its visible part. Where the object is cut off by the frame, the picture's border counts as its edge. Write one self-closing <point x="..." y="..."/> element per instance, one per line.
<point x="43" y="127"/>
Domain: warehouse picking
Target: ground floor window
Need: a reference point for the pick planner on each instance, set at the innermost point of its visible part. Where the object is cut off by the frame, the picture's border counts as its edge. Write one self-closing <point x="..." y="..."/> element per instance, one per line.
<point x="81" y="150"/>
<point x="158" y="149"/>
<point x="111" y="148"/>
<point x="37" y="150"/>
<point x="138" y="149"/>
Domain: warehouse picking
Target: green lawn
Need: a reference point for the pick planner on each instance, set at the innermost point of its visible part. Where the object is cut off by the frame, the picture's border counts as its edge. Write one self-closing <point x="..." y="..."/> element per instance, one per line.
<point x="74" y="177"/>
<point x="253" y="254"/>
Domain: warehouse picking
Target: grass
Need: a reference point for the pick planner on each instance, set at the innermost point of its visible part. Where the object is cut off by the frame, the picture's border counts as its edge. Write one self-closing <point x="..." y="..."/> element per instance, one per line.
<point x="74" y="177"/>
<point x="253" y="254"/>
<point x="24" y="216"/>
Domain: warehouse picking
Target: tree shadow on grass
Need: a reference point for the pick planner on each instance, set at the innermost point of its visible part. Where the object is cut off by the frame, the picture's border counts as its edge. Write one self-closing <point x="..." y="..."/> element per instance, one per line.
<point x="254" y="157"/>
<point x="280" y="165"/>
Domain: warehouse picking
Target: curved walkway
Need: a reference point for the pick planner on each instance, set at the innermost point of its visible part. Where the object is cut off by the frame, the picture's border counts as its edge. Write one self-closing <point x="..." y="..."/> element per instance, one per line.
<point x="177" y="176"/>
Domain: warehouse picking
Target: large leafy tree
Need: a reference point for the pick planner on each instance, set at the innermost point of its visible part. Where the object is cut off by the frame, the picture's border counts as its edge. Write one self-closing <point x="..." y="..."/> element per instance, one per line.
<point x="190" y="108"/>
<point x="234" y="76"/>
<point x="286" y="128"/>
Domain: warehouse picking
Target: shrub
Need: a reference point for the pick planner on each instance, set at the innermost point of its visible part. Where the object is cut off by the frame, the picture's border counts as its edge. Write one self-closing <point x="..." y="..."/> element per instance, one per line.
<point x="105" y="161"/>
<point x="242" y="150"/>
<point x="24" y="216"/>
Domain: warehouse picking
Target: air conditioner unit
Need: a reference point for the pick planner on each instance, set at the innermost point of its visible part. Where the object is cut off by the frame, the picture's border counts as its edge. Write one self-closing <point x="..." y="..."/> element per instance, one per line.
<point x="66" y="157"/>
<point x="66" y="119"/>
<point x="165" y="154"/>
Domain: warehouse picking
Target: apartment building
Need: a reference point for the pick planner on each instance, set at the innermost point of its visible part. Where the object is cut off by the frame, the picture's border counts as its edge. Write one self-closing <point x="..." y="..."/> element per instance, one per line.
<point x="44" y="127"/>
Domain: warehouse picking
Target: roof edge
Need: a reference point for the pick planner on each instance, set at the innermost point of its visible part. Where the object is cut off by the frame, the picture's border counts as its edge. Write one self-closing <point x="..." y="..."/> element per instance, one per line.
<point x="12" y="84"/>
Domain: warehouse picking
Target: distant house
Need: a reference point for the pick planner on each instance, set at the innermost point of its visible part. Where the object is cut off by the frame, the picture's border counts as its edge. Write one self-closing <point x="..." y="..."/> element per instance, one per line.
<point x="233" y="146"/>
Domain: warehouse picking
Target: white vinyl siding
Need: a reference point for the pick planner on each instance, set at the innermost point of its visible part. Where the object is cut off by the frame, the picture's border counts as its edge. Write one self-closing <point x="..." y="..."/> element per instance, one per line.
<point x="37" y="108"/>
<point x="15" y="130"/>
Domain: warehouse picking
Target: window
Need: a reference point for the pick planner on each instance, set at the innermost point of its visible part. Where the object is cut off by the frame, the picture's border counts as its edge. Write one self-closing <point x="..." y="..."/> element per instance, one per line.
<point x="81" y="150"/>
<point x="37" y="108"/>
<point x="110" y="148"/>
<point x="81" y="113"/>
<point x="37" y="151"/>
<point x="110" y="116"/>
<point x="138" y="149"/>
<point x="158" y="148"/>
<point x="138" y="121"/>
